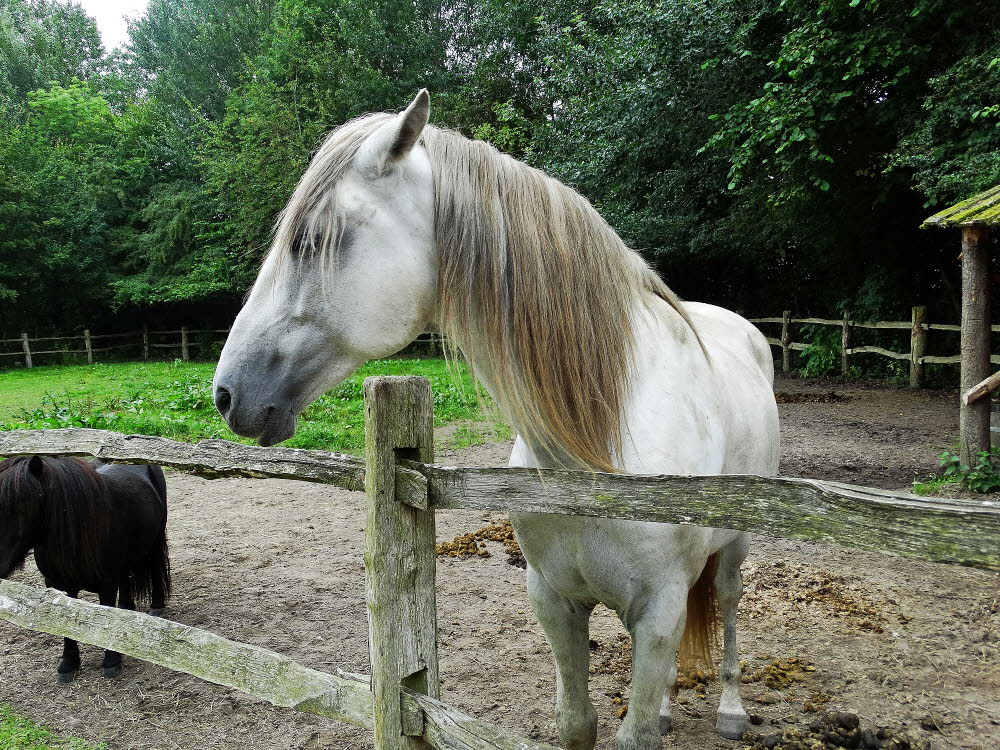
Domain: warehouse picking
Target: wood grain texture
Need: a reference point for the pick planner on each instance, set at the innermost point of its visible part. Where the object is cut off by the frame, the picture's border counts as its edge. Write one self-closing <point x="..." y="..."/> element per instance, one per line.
<point x="974" y="418"/>
<point x="786" y="339"/>
<point x="918" y="345"/>
<point x="936" y="529"/>
<point x="980" y="389"/>
<point x="257" y="671"/>
<point x="209" y="458"/>
<point x="400" y="562"/>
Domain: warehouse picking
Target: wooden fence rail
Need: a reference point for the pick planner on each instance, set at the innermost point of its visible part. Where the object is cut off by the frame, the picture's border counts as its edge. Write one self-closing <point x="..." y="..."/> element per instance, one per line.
<point x="917" y="356"/>
<point x="182" y="344"/>
<point x="404" y="490"/>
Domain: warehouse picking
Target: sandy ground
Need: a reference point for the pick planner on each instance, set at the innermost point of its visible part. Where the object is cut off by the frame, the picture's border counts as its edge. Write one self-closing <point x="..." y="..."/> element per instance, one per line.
<point x="279" y="564"/>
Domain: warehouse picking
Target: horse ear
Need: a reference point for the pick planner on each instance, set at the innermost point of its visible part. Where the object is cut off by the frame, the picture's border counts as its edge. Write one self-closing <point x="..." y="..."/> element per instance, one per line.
<point x="35" y="466"/>
<point x="396" y="139"/>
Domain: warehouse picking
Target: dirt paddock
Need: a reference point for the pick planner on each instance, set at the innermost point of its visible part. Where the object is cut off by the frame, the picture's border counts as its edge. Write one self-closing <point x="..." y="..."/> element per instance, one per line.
<point x="279" y="564"/>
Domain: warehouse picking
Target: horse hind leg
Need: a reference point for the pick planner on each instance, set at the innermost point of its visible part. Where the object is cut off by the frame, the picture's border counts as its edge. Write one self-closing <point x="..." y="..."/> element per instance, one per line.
<point x="566" y="626"/>
<point x="159" y="588"/>
<point x="732" y="719"/>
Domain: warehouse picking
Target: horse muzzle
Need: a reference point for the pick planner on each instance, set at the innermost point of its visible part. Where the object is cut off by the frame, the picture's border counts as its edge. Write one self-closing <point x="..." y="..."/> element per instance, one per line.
<point x="268" y="422"/>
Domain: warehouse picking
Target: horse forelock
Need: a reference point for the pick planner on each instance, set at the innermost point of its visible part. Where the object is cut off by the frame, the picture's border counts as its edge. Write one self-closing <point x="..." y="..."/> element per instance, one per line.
<point x="69" y="502"/>
<point x="534" y="287"/>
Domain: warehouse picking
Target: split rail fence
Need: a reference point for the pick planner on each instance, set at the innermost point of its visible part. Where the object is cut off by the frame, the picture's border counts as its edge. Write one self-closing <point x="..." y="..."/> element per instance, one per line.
<point x="91" y="343"/>
<point x="400" y="702"/>
<point x="917" y="356"/>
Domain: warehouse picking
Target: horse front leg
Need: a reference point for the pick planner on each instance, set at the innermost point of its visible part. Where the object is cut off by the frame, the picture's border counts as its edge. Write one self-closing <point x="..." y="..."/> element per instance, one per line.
<point x="732" y="719"/>
<point x="567" y="627"/>
<point x="112" y="664"/>
<point x="69" y="663"/>
<point x="656" y="636"/>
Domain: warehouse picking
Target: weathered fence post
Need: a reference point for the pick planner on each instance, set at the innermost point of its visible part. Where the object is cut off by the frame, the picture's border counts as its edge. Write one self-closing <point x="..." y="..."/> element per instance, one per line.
<point x="918" y="345"/>
<point x="27" y="350"/>
<point x="86" y="345"/>
<point x="145" y="341"/>
<point x="185" y="349"/>
<point x="786" y="339"/>
<point x="974" y="418"/>
<point x="845" y="345"/>
<point x="399" y="558"/>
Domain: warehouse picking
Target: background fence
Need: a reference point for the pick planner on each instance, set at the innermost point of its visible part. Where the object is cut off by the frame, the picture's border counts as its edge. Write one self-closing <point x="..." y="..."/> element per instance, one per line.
<point x="917" y="325"/>
<point x="400" y="702"/>
<point x="145" y="341"/>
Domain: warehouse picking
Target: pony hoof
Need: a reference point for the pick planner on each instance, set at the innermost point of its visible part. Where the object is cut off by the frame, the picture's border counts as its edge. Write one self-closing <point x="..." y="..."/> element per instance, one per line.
<point x="732" y="726"/>
<point x="156" y="612"/>
<point x="666" y="724"/>
<point x="112" y="672"/>
<point x="65" y="678"/>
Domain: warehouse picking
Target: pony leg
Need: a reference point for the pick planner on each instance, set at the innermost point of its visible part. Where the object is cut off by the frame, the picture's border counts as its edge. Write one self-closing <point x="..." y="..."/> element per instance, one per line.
<point x="69" y="663"/>
<point x="656" y="636"/>
<point x="567" y="627"/>
<point x="112" y="664"/>
<point x="732" y="719"/>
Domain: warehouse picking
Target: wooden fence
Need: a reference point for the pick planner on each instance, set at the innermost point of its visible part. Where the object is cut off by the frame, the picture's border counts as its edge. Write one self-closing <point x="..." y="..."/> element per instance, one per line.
<point x="146" y="339"/>
<point x="400" y="702"/>
<point x="917" y="326"/>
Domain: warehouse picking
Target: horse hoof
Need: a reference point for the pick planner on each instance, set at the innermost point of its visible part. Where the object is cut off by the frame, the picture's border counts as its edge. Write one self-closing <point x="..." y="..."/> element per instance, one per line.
<point x="112" y="672"/>
<point x="666" y="724"/>
<point x="65" y="678"/>
<point x="732" y="726"/>
<point x="157" y="612"/>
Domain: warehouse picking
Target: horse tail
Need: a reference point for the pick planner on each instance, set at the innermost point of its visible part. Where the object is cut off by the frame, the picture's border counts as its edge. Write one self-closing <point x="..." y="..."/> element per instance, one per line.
<point x="152" y="573"/>
<point x="698" y="641"/>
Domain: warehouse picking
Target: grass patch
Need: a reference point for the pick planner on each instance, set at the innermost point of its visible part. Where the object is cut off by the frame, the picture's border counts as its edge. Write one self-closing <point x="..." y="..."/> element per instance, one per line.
<point x="934" y="486"/>
<point x="19" y="733"/>
<point x="174" y="400"/>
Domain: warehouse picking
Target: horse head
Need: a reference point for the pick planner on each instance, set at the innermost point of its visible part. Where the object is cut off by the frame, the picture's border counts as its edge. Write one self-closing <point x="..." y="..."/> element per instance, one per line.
<point x="350" y="275"/>
<point x="21" y="496"/>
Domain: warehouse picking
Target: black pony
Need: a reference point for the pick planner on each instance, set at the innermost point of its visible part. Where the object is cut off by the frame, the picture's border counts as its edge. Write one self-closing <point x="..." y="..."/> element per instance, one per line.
<point x="95" y="527"/>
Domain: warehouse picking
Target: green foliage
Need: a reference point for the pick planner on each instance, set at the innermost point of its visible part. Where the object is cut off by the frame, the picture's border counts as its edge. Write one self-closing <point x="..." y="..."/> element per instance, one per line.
<point x="822" y="354"/>
<point x="174" y="400"/>
<point x="20" y="733"/>
<point x="983" y="477"/>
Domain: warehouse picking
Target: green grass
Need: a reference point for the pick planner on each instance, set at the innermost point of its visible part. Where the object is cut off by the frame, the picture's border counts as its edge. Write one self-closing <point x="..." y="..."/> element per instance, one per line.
<point x="19" y="733"/>
<point x="934" y="486"/>
<point x="174" y="400"/>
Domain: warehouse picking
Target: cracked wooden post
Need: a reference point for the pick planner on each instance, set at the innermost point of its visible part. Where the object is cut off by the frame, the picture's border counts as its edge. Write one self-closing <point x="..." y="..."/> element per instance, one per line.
<point x="845" y="346"/>
<point x="974" y="418"/>
<point x="27" y="351"/>
<point x="185" y="348"/>
<point x="918" y="345"/>
<point x="145" y="341"/>
<point x="399" y="558"/>
<point x="786" y="339"/>
<point x="87" y="346"/>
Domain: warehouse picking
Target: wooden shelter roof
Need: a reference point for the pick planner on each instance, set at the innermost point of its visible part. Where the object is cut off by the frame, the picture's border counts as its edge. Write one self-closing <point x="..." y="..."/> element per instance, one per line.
<point x="980" y="210"/>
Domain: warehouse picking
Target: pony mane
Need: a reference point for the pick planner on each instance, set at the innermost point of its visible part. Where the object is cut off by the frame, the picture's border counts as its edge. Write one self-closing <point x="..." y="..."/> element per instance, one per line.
<point x="534" y="287"/>
<point x="70" y="502"/>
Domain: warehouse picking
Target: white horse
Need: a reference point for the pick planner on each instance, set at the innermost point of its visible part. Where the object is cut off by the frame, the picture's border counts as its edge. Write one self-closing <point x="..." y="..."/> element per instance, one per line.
<point x="397" y="224"/>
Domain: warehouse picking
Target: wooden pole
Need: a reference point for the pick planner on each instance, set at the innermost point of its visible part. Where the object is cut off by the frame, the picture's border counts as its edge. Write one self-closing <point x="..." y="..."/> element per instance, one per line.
<point x="974" y="418"/>
<point x="918" y="345"/>
<point x="86" y="345"/>
<point x="845" y="344"/>
<point x="27" y="350"/>
<point x="185" y="349"/>
<point x="399" y="558"/>
<point x="145" y="341"/>
<point x="786" y="339"/>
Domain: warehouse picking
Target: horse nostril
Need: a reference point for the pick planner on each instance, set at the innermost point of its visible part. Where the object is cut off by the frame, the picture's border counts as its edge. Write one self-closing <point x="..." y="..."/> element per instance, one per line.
<point x="223" y="400"/>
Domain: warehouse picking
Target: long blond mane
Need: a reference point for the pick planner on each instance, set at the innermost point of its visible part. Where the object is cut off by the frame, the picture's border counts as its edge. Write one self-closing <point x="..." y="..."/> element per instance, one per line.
<point x="534" y="287"/>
